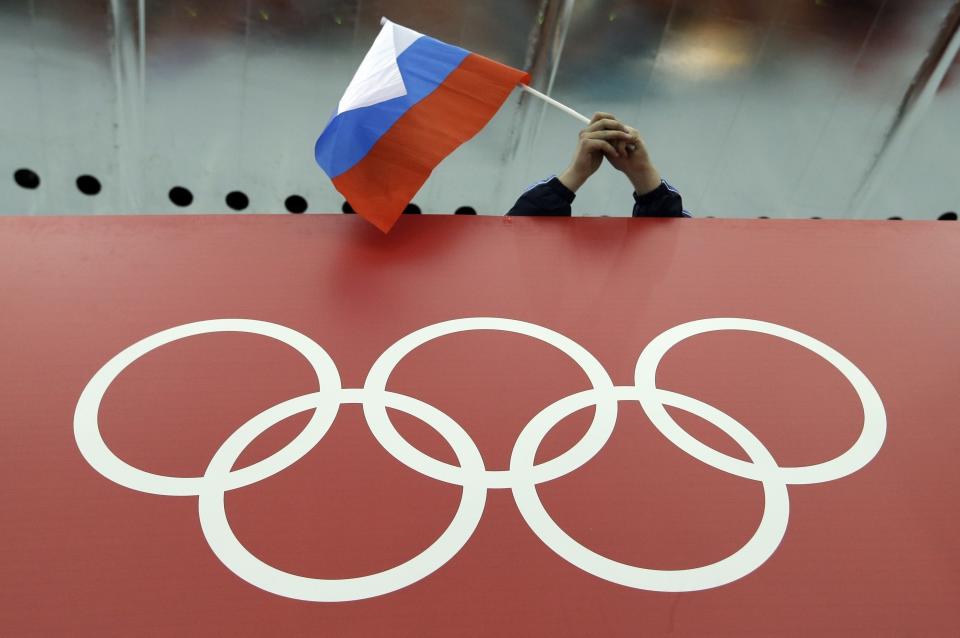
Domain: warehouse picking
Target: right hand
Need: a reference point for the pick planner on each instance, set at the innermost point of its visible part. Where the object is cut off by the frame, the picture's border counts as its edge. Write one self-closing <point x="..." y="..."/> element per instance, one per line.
<point x="604" y="137"/>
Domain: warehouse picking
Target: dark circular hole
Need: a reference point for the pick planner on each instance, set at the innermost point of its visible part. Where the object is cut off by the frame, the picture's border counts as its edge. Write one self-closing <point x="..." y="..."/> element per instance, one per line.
<point x="296" y="204"/>
<point x="763" y="217"/>
<point x="411" y="209"/>
<point x="815" y="217"/>
<point x="181" y="196"/>
<point x="465" y="210"/>
<point x="25" y="178"/>
<point x="895" y="218"/>
<point x="88" y="184"/>
<point x="347" y="208"/>
<point x="948" y="217"/>
<point x="237" y="200"/>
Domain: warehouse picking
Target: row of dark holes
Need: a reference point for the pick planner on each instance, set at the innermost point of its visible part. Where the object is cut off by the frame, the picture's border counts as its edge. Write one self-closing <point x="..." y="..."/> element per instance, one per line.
<point x="237" y="200"/>
<point x="413" y="209"/>
<point x="180" y="196"/>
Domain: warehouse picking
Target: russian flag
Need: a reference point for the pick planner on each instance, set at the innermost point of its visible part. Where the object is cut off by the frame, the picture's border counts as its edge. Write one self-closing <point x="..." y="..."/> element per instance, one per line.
<point x="413" y="101"/>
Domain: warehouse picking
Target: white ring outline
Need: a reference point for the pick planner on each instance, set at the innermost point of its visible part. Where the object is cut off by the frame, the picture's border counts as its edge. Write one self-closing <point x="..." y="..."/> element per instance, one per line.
<point x="593" y="440"/>
<point x="86" y="427"/>
<point x="238" y="559"/>
<point x="755" y="552"/>
<point x="858" y="455"/>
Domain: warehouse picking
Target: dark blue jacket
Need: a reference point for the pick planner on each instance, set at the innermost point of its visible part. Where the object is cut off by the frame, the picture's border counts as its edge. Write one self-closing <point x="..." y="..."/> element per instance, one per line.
<point x="551" y="198"/>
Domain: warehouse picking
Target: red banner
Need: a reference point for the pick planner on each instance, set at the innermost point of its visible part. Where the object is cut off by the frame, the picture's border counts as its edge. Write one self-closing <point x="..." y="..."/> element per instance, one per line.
<point x="479" y="426"/>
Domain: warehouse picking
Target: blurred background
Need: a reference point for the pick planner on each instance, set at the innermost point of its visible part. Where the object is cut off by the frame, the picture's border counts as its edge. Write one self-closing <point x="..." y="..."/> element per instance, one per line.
<point x="778" y="108"/>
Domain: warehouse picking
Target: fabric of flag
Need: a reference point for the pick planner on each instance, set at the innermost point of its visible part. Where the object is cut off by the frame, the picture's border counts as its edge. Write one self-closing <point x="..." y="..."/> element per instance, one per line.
<point x="413" y="101"/>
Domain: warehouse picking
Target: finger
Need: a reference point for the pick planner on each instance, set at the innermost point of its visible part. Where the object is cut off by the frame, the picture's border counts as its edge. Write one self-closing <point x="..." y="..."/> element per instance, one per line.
<point x="607" y="125"/>
<point x="637" y="138"/>
<point x="602" y="116"/>
<point x="607" y="135"/>
<point x="602" y="146"/>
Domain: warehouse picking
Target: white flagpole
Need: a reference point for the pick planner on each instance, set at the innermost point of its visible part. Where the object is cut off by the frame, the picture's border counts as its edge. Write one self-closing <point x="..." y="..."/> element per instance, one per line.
<point x="552" y="102"/>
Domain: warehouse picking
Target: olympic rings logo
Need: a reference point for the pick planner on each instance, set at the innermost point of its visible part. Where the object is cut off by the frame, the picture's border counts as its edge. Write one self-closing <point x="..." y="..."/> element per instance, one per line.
<point x="524" y="474"/>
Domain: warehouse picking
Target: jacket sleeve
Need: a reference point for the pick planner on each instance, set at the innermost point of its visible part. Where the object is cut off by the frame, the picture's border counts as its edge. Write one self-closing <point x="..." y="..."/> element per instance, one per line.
<point x="548" y="198"/>
<point x="551" y="198"/>
<point x="663" y="201"/>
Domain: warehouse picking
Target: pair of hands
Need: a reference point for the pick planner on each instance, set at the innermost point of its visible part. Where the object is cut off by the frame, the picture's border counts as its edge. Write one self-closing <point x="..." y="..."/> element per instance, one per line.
<point x="623" y="147"/>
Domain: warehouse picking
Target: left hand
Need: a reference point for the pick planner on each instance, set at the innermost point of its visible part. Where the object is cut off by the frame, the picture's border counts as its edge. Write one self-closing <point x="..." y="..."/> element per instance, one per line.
<point x="634" y="162"/>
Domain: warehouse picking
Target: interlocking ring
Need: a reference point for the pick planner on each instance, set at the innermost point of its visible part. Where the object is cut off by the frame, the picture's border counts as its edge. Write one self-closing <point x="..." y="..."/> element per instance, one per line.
<point x="523" y="474"/>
